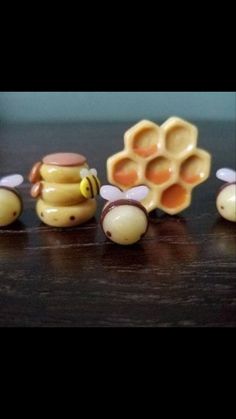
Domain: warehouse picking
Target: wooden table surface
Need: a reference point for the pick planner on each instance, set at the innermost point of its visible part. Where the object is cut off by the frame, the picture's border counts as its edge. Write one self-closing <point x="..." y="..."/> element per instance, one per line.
<point x="183" y="273"/>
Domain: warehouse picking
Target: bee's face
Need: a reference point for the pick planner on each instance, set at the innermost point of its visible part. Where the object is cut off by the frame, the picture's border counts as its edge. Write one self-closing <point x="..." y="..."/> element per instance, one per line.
<point x="90" y="185"/>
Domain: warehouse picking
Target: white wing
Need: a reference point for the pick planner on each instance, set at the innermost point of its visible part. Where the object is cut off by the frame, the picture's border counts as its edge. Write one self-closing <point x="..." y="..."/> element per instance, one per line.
<point x="84" y="172"/>
<point x="227" y="175"/>
<point x="93" y="172"/>
<point x="138" y="193"/>
<point x="111" y="193"/>
<point x="12" y="181"/>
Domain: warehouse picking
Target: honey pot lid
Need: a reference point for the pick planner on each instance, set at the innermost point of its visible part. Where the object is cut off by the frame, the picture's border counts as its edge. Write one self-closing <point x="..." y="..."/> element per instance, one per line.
<point x="64" y="159"/>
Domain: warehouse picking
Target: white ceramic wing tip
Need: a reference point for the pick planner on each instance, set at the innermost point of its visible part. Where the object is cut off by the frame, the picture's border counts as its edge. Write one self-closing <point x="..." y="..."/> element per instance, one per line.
<point x="12" y="181"/>
<point x="84" y="172"/>
<point x="226" y="175"/>
<point x="94" y="172"/>
<point x="111" y="193"/>
<point x="137" y="193"/>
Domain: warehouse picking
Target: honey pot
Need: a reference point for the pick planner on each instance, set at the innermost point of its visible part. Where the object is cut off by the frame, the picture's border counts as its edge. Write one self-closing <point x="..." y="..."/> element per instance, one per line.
<point x="65" y="189"/>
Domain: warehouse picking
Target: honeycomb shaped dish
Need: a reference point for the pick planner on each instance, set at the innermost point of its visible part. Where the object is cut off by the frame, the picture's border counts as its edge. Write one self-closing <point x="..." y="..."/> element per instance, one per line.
<point x="166" y="159"/>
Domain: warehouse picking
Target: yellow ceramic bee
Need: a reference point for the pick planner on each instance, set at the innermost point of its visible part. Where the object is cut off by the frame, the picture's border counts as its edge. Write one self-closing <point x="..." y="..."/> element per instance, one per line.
<point x="66" y="197"/>
<point x="226" y="198"/>
<point x="11" y="205"/>
<point x="90" y="185"/>
<point x="124" y="219"/>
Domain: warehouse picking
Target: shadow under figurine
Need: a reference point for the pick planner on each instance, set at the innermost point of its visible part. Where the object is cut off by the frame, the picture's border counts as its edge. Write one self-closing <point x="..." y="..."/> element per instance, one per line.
<point x="65" y="189"/>
<point x="11" y="204"/>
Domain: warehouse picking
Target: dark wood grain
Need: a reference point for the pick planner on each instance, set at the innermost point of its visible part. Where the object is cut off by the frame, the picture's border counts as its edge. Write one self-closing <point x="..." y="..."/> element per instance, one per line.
<point x="183" y="273"/>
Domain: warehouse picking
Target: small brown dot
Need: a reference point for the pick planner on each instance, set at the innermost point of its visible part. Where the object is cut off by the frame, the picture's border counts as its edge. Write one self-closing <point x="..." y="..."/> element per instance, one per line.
<point x="222" y="207"/>
<point x="14" y="213"/>
<point x="72" y="218"/>
<point x="109" y="234"/>
<point x="41" y="214"/>
<point x="87" y="189"/>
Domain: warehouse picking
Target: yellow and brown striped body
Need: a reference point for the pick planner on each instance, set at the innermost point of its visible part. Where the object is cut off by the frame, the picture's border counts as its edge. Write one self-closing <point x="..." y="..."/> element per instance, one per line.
<point x="90" y="186"/>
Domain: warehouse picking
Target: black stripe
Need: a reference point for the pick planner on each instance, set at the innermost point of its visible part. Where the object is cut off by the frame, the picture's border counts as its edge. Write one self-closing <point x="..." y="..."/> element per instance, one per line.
<point x="97" y="184"/>
<point x="91" y="187"/>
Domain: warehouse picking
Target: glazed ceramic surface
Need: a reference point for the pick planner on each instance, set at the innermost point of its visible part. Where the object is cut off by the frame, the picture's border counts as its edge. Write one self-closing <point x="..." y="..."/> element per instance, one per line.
<point x="226" y="198"/>
<point x="226" y="202"/>
<point x="11" y="205"/>
<point x="166" y="159"/>
<point x="124" y="219"/>
<point x="64" y="188"/>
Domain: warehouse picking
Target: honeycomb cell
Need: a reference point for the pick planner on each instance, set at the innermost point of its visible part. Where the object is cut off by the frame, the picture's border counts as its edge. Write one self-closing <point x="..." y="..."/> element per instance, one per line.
<point x="125" y="172"/>
<point x="144" y="139"/>
<point x="159" y="170"/>
<point x="174" y="197"/>
<point x="145" y="142"/>
<point x="181" y="136"/>
<point x="194" y="170"/>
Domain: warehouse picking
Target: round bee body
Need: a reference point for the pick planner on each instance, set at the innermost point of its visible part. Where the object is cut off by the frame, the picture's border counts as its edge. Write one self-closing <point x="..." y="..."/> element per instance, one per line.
<point x="226" y="202"/>
<point x="124" y="221"/>
<point x="11" y="206"/>
<point x="63" y="200"/>
<point x="226" y="198"/>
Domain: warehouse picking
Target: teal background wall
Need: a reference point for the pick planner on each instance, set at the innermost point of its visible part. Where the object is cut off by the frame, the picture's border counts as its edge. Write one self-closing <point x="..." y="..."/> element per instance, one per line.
<point x="114" y="106"/>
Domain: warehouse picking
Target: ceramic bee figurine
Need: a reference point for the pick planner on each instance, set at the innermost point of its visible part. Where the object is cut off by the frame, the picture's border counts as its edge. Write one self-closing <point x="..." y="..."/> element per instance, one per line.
<point x="65" y="189"/>
<point x="226" y="198"/>
<point x="90" y="184"/>
<point x="11" y="205"/>
<point x="124" y="219"/>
